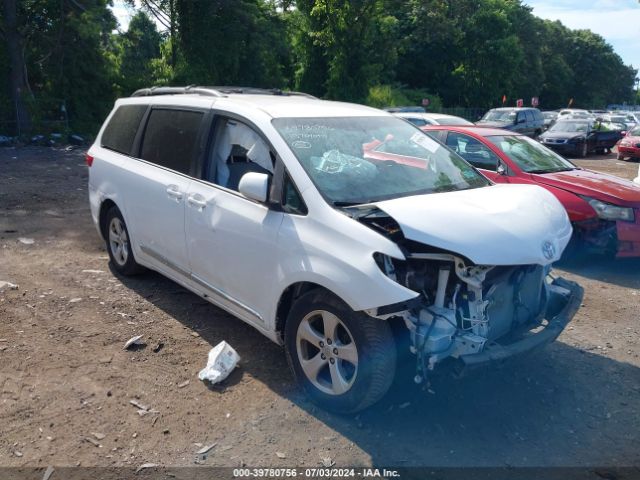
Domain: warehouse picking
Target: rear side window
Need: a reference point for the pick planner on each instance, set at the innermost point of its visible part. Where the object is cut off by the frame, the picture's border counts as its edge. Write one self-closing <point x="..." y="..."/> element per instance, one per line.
<point x="170" y="138"/>
<point x="119" y="134"/>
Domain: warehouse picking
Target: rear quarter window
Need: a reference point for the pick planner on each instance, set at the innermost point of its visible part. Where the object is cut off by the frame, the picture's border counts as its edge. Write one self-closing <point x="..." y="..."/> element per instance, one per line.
<point x="121" y="130"/>
<point x="170" y="139"/>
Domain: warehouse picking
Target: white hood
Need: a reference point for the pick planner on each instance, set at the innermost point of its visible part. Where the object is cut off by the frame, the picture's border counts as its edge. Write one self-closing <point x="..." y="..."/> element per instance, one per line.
<point x="496" y="225"/>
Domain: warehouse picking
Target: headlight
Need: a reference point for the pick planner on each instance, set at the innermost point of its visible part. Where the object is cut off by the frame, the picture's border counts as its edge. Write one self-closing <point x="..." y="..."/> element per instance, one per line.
<point x="607" y="211"/>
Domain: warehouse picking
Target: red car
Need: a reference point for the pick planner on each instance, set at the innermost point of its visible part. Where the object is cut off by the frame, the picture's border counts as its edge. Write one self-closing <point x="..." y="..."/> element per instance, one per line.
<point x="629" y="145"/>
<point x="604" y="209"/>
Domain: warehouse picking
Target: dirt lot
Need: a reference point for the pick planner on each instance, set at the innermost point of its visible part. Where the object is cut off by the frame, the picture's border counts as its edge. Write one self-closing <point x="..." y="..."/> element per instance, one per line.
<point x="66" y="382"/>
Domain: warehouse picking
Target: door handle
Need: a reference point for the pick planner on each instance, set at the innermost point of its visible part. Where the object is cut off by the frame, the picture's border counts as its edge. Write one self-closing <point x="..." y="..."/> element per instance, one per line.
<point x="197" y="201"/>
<point x="173" y="192"/>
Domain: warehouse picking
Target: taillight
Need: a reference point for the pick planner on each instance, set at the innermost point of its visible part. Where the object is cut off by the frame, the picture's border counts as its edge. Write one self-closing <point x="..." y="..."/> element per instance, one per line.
<point x="88" y="160"/>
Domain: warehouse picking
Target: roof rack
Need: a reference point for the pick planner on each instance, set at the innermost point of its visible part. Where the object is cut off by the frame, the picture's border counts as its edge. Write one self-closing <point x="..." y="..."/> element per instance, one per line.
<point x="216" y="91"/>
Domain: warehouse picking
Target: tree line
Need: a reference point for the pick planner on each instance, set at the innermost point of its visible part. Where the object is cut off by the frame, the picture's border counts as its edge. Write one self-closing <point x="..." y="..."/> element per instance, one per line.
<point x="65" y="59"/>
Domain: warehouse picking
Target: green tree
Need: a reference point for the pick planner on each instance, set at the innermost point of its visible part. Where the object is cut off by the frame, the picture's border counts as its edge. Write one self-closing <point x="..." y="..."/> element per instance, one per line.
<point x="140" y="47"/>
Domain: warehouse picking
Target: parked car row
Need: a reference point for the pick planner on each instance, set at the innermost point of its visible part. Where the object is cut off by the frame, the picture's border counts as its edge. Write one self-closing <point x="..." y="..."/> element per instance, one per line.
<point x="323" y="224"/>
<point x="604" y="210"/>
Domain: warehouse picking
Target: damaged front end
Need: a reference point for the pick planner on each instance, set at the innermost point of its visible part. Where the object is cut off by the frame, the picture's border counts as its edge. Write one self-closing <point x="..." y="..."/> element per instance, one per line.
<point x="472" y="313"/>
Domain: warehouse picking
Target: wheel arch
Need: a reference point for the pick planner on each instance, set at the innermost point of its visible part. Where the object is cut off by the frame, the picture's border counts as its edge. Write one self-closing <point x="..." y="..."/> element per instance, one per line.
<point x="105" y="206"/>
<point x="287" y="299"/>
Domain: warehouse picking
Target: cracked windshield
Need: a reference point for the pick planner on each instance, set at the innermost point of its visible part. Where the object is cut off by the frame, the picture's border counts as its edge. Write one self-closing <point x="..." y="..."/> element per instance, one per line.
<point x="367" y="159"/>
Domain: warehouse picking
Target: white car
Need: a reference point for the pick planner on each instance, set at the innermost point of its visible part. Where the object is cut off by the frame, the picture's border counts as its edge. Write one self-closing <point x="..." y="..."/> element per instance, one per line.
<point x="324" y="224"/>
<point x="422" y="119"/>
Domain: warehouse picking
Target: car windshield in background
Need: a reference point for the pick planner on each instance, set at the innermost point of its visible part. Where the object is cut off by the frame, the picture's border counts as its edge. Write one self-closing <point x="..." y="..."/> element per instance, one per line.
<point x="569" y="127"/>
<point x="550" y="115"/>
<point x="367" y="159"/>
<point x="453" y="121"/>
<point x="506" y="116"/>
<point x="529" y="155"/>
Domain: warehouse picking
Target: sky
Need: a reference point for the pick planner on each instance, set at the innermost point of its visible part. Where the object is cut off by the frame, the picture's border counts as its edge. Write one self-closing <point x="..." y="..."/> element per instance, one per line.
<point x="618" y="21"/>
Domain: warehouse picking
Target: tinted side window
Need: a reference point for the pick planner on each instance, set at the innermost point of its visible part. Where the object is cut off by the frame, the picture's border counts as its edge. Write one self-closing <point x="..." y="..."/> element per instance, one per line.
<point x="170" y="138"/>
<point x="119" y="134"/>
<point x="418" y="122"/>
<point x="529" y="115"/>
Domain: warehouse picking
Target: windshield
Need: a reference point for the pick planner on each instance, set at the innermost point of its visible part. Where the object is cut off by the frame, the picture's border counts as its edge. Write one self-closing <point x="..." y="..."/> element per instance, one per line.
<point x="505" y="116"/>
<point x="529" y="155"/>
<point x="549" y="115"/>
<point x="569" y="127"/>
<point x="354" y="160"/>
<point x="453" y="121"/>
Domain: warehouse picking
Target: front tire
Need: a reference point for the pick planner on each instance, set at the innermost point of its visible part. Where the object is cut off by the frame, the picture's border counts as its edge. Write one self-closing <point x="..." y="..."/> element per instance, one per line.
<point x="119" y="244"/>
<point x="584" y="149"/>
<point x="344" y="360"/>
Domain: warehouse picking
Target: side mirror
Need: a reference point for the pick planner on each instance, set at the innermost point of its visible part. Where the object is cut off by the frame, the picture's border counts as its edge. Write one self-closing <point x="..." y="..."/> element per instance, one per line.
<point x="255" y="186"/>
<point x="501" y="170"/>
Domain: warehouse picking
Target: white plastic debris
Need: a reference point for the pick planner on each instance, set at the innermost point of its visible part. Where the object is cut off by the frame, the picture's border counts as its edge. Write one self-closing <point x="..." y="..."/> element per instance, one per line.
<point x="7" y="286"/>
<point x="144" y="466"/>
<point x="133" y="341"/>
<point x="92" y="271"/>
<point x="26" y="241"/>
<point x="222" y="360"/>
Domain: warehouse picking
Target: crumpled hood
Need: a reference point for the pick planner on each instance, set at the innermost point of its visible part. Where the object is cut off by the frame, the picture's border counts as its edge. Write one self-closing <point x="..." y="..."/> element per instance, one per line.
<point x="496" y="225"/>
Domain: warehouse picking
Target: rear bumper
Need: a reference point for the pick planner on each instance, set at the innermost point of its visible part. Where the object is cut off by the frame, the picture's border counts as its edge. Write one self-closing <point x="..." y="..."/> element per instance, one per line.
<point x="564" y="301"/>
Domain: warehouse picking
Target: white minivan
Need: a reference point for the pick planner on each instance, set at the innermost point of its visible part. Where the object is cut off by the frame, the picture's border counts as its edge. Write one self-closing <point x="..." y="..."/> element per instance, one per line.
<point x="324" y="225"/>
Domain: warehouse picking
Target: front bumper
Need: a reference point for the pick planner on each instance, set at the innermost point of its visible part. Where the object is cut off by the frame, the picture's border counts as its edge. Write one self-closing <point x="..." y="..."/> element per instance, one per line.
<point x="563" y="147"/>
<point x="618" y="238"/>
<point x="565" y="298"/>
<point x="633" y="152"/>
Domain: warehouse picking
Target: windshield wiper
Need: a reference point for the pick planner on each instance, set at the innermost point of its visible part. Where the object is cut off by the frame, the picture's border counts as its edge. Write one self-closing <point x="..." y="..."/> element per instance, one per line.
<point x="351" y="204"/>
<point x="549" y="170"/>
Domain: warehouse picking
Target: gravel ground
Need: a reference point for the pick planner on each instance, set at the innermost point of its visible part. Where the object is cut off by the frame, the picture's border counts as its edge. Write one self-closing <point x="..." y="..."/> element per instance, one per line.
<point x="66" y="383"/>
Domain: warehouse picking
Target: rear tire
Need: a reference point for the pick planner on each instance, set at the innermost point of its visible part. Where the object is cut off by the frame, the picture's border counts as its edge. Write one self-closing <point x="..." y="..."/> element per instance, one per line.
<point x="119" y="244"/>
<point x="344" y="360"/>
<point x="619" y="156"/>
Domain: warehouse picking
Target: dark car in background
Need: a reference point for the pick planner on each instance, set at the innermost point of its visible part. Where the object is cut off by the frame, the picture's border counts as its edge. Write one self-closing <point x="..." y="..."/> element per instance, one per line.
<point x="604" y="209"/>
<point x="524" y="120"/>
<point x="579" y="137"/>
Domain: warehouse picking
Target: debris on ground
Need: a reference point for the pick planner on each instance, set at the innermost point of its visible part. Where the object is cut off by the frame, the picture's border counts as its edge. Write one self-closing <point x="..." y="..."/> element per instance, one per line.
<point x="98" y="435"/>
<point x="93" y="442"/>
<point x="221" y="362"/>
<point x="183" y="384"/>
<point x="280" y="455"/>
<point x="92" y="271"/>
<point x="7" y="286"/>
<point x="145" y="466"/>
<point x="17" y="453"/>
<point x="204" y="451"/>
<point x="158" y="347"/>
<point x="134" y="341"/>
<point x="138" y="405"/>
<point x="327" y="462"/>
<point x="48" y="472"/>
<point x="26" y="241"/>
<point x="75" y="300"/>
